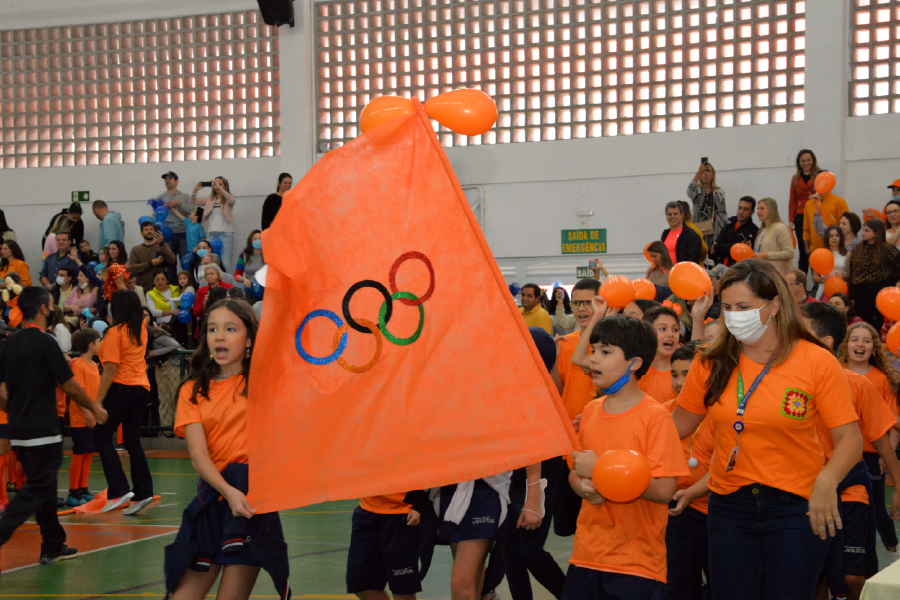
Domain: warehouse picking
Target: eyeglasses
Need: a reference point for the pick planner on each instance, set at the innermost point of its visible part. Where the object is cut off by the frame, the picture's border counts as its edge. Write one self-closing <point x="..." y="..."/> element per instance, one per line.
<point x="892" y="212"/>
<point x="581" y="303"/>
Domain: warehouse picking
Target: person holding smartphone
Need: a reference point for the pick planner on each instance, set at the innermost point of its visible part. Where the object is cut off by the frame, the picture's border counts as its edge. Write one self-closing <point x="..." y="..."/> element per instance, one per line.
<point x="218" y="216"/>
<point x="147" y="258"/>
<point x="710" y="213"/>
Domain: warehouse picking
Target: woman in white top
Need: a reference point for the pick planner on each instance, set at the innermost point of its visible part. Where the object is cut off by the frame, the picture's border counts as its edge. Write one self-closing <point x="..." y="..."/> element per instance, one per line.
<point x="773" y="242"/>
<point x="834" y="240"/>
<point x="218" y="215"/>
<point x="162" y="299"/>
<point x="892" y="222"/>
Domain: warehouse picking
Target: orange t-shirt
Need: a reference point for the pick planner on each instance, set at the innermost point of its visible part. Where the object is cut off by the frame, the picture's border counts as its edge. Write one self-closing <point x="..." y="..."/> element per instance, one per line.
<point x="87" y="375"/>
<point x="780" y="444"/>
<point x="118" y="348"/>
<point x="4" y="419"/>
<point x="700" y="446"/>
<point x="628" y="537"/>
<point x="389" y="504"/>
<point x="672" y="240"/>
<point x="578" y="388"/>
<point x="60" y="402"/>
<point x="657" y="384"/>
<point x="223" y="416"/>
<point x="885" y="389"/>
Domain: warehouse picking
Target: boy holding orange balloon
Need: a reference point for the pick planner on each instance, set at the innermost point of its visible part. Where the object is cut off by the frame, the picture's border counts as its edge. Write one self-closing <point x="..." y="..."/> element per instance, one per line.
<point x="619" y="549"/>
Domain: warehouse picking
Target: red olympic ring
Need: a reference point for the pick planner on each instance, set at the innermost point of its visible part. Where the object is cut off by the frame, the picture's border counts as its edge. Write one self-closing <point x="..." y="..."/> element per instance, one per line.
<point x="392" y="277"/>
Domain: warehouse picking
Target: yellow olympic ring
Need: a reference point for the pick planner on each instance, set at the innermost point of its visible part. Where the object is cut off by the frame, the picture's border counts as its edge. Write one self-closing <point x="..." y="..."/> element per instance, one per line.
<point x="342" y="330"/>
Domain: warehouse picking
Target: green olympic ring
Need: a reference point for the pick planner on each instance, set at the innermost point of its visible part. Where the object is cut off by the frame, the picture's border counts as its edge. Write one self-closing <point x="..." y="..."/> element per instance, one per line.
<point x="383" y="326"/>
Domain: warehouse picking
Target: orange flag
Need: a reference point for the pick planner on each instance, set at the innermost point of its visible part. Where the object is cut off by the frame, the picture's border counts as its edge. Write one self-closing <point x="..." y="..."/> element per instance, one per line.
<point x="390" y="355"/>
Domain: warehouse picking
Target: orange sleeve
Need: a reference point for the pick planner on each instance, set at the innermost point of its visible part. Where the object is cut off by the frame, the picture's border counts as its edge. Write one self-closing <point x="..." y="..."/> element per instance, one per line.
<point x="21" y="268"/>
<point x="875" y="417"/>
<point x="187" y="412"/>
<point x="833" y="399"/>
<point x="665" y="453"/>
<point x="109" y="347"/>
<point x="691" y="396"/>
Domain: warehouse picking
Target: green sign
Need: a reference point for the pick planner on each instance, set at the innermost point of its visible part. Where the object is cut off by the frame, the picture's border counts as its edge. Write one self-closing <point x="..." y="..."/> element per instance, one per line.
<point x="584" y="241"/>
<point x="81" y="196"/>
<point x="584" y="273"/>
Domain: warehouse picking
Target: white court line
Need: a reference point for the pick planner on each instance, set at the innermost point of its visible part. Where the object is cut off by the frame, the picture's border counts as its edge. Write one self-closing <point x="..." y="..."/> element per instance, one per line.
<point x="152" y="537"/>
<point x="125" y="523"/>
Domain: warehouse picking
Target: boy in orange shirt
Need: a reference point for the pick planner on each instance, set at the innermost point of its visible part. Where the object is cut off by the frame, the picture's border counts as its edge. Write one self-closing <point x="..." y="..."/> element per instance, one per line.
<point x="620" y="550"/>
<point x="657" y="383"/>
<point x="81" y="421"/>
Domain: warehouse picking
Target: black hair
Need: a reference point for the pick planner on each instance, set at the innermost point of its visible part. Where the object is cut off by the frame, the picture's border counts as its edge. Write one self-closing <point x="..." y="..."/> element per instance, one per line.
<point x="749" y="199"/>
<point x="537" y="289"/>
<point x="656" y="312"/>
<point x="199" y="210"/>
<point x="123" y="254"/>
<point x="587" y="284"/>
<point x="633" y="337"/>
<point x="32" y="299"/>
<point x="65" y="233"/>
<point x="16" y="251"/>
<point x="83" y="338"/>
<point x="3" y="226"/>
<point x="216" y="294"/>
<point x="75" y="208"/>
<point x="826" y="320"/>
<point x="567" y="305"/>
<point x="646" y="305"/>
<point x="236" y="293"/>
<point x="686" y="351"/>
<point x="282" y="177"/>
<point x="855" y="223"/>
<point x="125" y="309"/>
<point x="203" y="367"/>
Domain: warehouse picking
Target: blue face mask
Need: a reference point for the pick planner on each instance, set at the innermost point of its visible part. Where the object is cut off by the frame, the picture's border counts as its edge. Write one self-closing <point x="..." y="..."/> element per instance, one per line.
<point x="621" y="381"/>
<point x="896" y="198"/>
<point x="257" y="244"/>
<point x="202" y="252"/>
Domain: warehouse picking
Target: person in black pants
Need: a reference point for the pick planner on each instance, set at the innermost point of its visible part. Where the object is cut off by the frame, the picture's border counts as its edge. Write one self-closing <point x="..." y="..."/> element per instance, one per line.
<point x="124" y="393"/>
<point x="31" y="366"/>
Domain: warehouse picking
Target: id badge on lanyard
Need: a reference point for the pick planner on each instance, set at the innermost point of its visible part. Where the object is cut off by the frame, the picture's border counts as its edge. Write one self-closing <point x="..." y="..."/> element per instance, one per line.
<point x="742" y="406"/>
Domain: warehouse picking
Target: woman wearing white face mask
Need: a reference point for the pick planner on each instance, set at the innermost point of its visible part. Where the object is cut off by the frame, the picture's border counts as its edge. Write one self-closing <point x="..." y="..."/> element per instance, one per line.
<point x="765" y="384"/>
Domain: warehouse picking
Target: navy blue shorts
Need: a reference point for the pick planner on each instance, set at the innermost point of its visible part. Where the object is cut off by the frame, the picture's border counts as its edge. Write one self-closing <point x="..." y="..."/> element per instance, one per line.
<point x="855" y="518"/>
<point x="82" y="440"/>
<point x="384" y="550"/>
<point x="482" y="519"/>
<point x="588" y="584"/>
<point x="230" y="551"/>
<point x="4" y="431"/>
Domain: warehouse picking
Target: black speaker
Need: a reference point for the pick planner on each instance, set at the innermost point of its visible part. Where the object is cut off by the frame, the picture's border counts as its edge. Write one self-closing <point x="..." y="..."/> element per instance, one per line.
<point x="277" y="12"/>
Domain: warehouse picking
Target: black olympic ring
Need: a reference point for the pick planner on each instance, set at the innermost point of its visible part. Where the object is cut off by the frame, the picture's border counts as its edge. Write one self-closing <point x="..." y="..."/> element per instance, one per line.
<point x="358" y="286"/>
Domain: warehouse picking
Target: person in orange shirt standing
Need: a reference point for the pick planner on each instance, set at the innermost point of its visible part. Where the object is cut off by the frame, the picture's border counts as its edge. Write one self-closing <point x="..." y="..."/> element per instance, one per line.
<point x="124" y="391"/>
<point x="821" y="210"/>
<point x="657" y="383"/>
<point x="212" y="417"/>
<point x="687" y="537"/>
<point x="620" y="550"/>
<point x="87" y="375"/>
<point x="765" y="383"/>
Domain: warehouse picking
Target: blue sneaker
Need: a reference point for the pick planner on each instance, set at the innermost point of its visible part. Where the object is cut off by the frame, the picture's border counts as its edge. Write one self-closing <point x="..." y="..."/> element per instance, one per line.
<point x="86" y="495"/>
<point x="73" y="501"/>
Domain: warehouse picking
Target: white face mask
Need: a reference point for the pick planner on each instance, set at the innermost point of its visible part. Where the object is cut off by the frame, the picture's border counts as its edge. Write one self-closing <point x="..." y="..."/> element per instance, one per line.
<point x="60" y="280"/>
<point x="83" y="285"/>
<point x="746" y="325"/>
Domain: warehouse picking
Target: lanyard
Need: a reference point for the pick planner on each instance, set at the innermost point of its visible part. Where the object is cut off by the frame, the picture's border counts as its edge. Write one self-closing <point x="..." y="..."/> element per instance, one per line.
<point x="742" y="400"/>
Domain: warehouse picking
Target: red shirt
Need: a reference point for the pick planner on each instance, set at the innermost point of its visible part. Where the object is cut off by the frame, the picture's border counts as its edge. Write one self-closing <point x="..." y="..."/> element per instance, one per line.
<point x="672" y="240"/>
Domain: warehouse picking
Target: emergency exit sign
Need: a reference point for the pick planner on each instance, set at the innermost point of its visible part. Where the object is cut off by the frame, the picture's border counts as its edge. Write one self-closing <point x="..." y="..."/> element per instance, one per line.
<point x="81" y="196"/>
<point x="584" y="241"/>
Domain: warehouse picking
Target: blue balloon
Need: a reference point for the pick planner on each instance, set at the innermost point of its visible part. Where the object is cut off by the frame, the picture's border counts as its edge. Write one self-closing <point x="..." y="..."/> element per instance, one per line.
<point x="190" y="297"/>
<point x="185" y="302"/>
<point x="166" y="232"/>
<point x="98" y="267"/>
<point x="93" y="265"/>
<point x="217" y="246"/>
<point x="87" y="313"/>
<point x="100" y="326"/>
<point x="184" y="316"/>
<point x="186" y="260"/>
<point x="256" y="290"/>
<point x="144" y="219"/>
<point x="162" y="213"/>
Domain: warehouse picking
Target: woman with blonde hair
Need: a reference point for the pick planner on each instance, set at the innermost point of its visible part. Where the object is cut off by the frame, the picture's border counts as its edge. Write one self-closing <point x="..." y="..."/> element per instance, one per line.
<point x="709" y="203"/>
<point x="773" y="242"/>
<point x="766" y="382"/>
<point x="218" y="214"/>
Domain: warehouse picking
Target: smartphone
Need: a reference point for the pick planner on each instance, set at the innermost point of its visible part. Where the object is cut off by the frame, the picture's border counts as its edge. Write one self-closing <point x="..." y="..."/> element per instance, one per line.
<point x="157" y="227"/>
<point x="593" y="264"/>
<point x="206" y="184"/>
<point x="704" y="160"/>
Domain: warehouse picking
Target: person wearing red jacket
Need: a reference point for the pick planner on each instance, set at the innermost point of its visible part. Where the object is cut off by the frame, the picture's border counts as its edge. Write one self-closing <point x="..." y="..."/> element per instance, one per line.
<point x="803" y="185"/>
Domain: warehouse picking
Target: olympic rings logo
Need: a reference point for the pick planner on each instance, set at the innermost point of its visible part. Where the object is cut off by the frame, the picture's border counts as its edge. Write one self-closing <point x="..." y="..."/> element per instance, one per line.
<point x="379" y="330"/>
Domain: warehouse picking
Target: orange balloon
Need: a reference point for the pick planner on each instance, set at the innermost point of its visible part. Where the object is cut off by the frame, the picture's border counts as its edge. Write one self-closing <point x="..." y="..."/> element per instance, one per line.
<point x="618" y="291"/>
<point x="888" y="303"/>
<point x="647" y="253"/>
<point x="621" y="475"/>
<point x="825" y="182"/>
<point x="465" y="111"/>
<point x="893" y="338"/>
<point x="384" y="109"/>
<point x="644" y="290"/>
<point x="835" y="284"/>
<point x="822" y="261"/>
<point x="741" y="251"/>
<point x="873" y="213"/>
<point x="689" y="281"/>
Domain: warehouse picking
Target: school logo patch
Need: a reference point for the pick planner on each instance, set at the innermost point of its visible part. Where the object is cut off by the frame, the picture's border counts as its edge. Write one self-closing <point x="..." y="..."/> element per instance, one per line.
<point x="795" y="404"/>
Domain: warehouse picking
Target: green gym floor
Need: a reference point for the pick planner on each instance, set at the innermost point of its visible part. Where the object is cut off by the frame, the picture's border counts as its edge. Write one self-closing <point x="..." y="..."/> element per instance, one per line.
<point x="122" y="557"/>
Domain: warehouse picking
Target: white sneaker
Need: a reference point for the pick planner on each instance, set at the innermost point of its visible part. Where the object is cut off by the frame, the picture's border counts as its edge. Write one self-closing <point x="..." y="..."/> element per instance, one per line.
<point x="138" y="506"/>
<point x="117" y="502"/>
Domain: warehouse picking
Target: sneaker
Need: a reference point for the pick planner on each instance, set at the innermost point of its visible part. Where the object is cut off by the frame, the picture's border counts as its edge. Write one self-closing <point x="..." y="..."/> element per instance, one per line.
<point x="10" y="486"/>
<point x="86" y="495"/>
<point x="65" y="554"/>
<point x="60" y="502"/>
<point x="138" y="506"/>
<point x="117" y="502"/>
<point x="74" y="501"/>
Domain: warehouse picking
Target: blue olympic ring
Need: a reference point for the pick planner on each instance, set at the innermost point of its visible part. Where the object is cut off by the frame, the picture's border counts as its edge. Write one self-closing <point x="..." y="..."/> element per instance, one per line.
<point x="315" y="359"/>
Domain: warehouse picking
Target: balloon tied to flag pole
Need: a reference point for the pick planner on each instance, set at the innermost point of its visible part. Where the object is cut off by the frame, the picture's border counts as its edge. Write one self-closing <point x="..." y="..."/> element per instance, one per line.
<point x="466" y="111"/>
